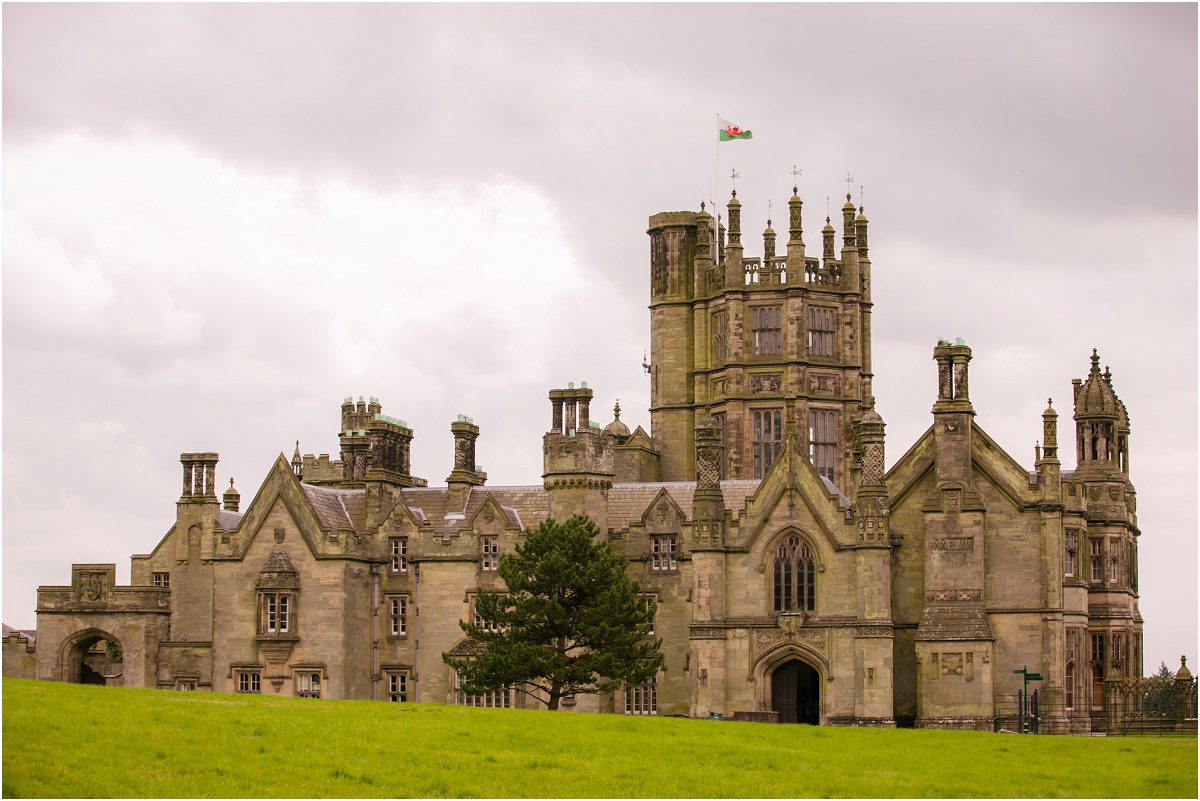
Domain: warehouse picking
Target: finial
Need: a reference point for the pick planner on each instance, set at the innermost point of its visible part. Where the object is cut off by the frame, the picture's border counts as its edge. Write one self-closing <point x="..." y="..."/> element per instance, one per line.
<point x="796" y="179"/>
<point x="617" y="409"/>
<point x="231" y="482"/>
<point x="768" y="212"/>
<point x="1107" y="374"/>
<point x="701" y="205"/>
<point x="860" y="197"/>
<point x="849" y="180"/>
<point x="1095" y="360"/>
<point x="733" y="176"/>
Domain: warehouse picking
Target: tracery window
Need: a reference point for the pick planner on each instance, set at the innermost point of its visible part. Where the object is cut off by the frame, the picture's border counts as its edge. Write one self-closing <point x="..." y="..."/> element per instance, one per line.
<point x="820" y="332"/>
<point x="662" y="553"/>
<point x="1069" y="678"/>
<point x="275" y="613"/>
<point x="249" y="681"/>
<point x="496" y="698"/>
<point x="489" y="553"/>
<point x="1098" y="671"/>
<point x="1097" y="554"/>
<point x="1117" y="650"/>
<point x="718" y="327"/>
<point x="397" y="686"/>
<point x="768" y="335"/>
<point x="794" y="573"/>
<point x="399" y="554"/>
<point x="398" y="616"/>
<point x="308" y="684"/>
<point x="822" y="441"/>
<point x="766" y="439"/>
<point x="642" y="699"/>
<point x="1114" y="563"/>
<point x="1070" y="549"/>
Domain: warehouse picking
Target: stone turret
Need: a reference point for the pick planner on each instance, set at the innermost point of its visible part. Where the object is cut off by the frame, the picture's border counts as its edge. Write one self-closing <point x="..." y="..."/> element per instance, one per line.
<point x="1101" y="424"/>
<point x="232" y="498"/>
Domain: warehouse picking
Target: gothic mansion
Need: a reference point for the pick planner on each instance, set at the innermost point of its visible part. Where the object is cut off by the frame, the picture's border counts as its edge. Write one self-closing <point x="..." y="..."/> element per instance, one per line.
<point x="793" y="575"/>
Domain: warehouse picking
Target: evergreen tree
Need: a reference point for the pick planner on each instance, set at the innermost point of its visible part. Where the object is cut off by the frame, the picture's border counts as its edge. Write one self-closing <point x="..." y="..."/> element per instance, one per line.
<point x="570" y="623"/>
<point x="1164" y="672"/>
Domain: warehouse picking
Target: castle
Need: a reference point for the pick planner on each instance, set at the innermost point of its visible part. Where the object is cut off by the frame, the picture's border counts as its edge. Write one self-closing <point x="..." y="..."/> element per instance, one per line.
<point x="794" y="578"/>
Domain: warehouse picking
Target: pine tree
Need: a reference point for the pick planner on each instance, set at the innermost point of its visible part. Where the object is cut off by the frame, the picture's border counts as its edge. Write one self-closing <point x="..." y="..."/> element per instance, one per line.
<point x="570" y="623"/>
<point x="1164" y="672"/>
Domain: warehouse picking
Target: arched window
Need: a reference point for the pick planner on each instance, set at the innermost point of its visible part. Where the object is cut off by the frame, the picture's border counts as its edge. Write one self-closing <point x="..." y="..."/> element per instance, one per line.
<point x="795" y="576"/>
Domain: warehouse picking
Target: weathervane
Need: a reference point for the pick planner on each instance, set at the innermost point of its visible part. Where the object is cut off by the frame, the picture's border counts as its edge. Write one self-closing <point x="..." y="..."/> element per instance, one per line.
<point x="849" y="180"/>
<point x="733" y="176"/>
<point x="796" y="179"/>
<point x="768" y="212"/>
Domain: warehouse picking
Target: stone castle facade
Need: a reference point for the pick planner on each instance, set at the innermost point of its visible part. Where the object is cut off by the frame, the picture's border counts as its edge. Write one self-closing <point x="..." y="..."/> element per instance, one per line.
<point x="793" y="574"/>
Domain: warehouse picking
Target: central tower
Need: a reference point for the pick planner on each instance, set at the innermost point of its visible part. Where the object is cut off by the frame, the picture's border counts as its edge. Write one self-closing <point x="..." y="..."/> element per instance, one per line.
<point x="737" y="335"/>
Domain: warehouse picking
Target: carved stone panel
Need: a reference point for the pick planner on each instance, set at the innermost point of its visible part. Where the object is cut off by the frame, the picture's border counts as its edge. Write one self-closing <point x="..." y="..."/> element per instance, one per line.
<point x="766" y="382"/>
<point x="824" y="383"/>
<point x="954" y="544"/>
<point x="942" y="596"/>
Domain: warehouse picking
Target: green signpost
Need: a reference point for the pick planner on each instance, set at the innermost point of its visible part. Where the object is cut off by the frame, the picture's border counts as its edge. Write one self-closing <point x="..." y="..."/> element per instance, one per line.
<point x="1024" y="702"/>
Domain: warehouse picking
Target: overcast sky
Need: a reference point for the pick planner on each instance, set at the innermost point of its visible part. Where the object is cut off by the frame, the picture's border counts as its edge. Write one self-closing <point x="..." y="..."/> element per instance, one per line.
<point x="220" y="220"/>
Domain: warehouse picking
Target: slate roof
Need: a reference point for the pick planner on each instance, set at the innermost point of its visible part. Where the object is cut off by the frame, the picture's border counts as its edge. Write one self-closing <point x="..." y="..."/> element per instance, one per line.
<point x="524" y="507"/>
<point x="28" y="634"/>
<point x="228" y="520"/>
<point x="333" y="506"/>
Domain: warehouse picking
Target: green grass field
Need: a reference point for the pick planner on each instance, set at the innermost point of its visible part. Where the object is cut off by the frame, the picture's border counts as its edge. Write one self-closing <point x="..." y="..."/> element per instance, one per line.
<point x="73" y="741"/>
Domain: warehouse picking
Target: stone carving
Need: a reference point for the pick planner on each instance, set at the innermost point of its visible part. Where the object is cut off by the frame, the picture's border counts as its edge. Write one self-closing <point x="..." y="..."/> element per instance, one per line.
<point x="718" y="387"/>
<point x="663" y="511"/>
<point x="488" y="514"/>
<point x="951" y="498"/>
<point x="91" y="586"/>
<point x="823" y="384"/>
<point x="952" y="664"/>
<point x="771" y="382"/>
<point x="872" y="464"/>
<point x="941" y="596"/>
<point x="792" y="632"/>
<point x="1130" y="503"/>
<point x="954" y="544"/>
<point x="1114" y="492"/>
<point x="769" y="637"/>
<point x="1094" y="493"/>
<point x="873" y="631"/>
<point x="698" y="633"/>
<point x="279" y="535"/>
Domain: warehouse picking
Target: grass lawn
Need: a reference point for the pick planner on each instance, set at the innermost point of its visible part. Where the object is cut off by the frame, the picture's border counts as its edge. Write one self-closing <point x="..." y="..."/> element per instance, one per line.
<point x="73" y="740"/>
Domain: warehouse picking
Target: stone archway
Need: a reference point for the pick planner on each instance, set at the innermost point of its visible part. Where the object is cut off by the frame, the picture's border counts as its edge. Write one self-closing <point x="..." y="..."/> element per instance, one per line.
<point x="92" y="656"/>
<point x="796" y="692"/>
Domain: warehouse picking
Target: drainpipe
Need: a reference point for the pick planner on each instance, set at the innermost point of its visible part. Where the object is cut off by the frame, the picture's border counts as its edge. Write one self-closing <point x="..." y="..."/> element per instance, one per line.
<point x="416" y="632"/>
<point x="376" y="569"/>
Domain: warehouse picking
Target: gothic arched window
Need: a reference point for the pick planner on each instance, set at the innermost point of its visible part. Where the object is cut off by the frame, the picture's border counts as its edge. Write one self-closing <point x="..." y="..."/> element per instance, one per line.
<point x="795" y="576"/>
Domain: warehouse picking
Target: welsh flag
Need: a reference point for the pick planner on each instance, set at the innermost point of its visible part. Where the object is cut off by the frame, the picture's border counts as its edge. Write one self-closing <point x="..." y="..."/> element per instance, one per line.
<point x="731" y="131"/>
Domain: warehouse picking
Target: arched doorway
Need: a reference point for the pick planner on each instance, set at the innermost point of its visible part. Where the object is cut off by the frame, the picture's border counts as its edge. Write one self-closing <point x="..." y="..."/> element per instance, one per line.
<point x="796" y="693"/>
<point x="94" y="657"/>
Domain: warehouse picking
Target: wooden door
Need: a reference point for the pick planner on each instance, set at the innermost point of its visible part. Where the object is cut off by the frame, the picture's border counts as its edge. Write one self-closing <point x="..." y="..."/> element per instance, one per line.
<point x="784" y="683"/>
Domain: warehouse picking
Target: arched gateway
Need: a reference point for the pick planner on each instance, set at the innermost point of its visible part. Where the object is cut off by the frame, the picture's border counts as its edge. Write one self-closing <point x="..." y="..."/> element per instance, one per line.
<point x="796" y="692"/>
